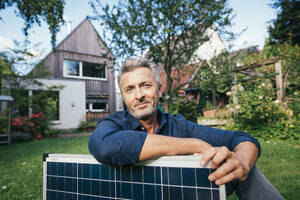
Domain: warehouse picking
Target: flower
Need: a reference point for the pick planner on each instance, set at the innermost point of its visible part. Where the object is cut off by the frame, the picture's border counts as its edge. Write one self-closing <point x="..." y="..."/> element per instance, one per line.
<point x="260" y="97"/>
<point x="263" y="84"/>
<point x="276" y="101"/>
<point x="228" y="93"/>
<point x="237" y="107"/>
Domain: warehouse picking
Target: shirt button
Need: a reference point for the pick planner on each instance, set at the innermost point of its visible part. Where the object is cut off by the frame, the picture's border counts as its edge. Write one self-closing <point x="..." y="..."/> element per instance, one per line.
<point x="143" y="128"/>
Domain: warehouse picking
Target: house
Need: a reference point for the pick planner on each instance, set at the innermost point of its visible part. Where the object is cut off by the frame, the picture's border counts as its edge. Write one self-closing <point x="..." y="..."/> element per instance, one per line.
<point x="83" y="68"/>
<point x="183" y="78"/>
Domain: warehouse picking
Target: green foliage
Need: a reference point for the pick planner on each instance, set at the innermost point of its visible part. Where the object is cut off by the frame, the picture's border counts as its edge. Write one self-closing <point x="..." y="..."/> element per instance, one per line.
<point x="286" y="27"/>
<point x="3" y="124"/>
<point x="169" y="31"/>
<point x="294" y="104"/>
<point x="86" y="126"/>
<point x="217" y="76"/>
<point x="15" y="82"/>
<point x="35" y="11"/>
<point x="280" y="130"/>
<point x="257" y="105"/>
<point x="290" y="62"/>
<point x="187" y="107"/>
<point x="35" y="124"/>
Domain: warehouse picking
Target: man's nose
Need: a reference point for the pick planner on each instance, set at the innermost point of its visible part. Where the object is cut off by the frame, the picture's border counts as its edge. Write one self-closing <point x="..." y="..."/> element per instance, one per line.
<point x="139" y="94"/>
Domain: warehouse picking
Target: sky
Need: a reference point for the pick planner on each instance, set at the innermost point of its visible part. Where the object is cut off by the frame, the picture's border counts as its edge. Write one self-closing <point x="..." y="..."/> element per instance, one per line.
<point x="251" y="15"/>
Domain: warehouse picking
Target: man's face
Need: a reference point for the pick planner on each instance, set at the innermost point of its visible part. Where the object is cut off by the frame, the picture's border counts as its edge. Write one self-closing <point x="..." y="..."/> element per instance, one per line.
<point x="140" y="92"/>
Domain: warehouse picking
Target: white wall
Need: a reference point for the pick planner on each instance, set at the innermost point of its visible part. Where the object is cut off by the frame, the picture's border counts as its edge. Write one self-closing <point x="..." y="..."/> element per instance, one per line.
<point x="71" y="101"/>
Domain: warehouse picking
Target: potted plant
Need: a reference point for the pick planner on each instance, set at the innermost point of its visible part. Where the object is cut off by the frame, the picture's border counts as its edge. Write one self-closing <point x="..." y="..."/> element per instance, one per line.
<point x="209" y="111"/>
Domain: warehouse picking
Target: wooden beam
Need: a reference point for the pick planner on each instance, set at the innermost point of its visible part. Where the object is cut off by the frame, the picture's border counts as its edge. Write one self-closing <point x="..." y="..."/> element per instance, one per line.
<point x="279" y="81"/>
<point x="255" y="65"/>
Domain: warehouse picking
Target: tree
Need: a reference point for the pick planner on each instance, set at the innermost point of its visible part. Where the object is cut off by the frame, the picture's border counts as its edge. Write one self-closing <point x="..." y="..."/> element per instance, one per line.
<point x="14" y="82"/>
<point x="36" y="11"/>
<point x="217" y="77"/>
<point x="287" y="24"/>
<point x="168" y="31"/>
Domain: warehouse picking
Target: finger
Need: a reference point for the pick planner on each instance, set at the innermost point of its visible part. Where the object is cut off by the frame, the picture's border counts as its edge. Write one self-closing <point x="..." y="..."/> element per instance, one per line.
<point x="235" y="174"/>
<point x="222" y="171"/>
<point x="207" y="155"/>
<point x="222" y="154"/>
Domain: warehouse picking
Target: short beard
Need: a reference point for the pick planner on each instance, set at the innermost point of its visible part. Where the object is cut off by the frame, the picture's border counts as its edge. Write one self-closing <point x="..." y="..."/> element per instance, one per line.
<point x="144" y="116"/>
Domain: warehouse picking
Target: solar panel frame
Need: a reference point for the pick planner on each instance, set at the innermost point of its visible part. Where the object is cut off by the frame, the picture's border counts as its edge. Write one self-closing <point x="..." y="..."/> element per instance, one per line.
<point x="169" y="187"/>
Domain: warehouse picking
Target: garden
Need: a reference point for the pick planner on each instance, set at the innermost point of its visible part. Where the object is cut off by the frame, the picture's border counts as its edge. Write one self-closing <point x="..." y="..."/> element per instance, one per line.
<point x="21" y="165"/>
<point x="250" y="103"/>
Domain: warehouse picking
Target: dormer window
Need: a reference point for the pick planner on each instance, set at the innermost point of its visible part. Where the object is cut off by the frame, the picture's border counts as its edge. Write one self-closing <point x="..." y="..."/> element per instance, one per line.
<point x="86" y="70"/>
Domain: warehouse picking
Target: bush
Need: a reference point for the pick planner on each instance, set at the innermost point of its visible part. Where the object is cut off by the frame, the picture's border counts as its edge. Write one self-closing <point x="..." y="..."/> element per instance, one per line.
<point x="87" y="126"/>
<point x="257" y="106"/>
<point x="3" y="125"/>
<point x="185" y="106"/>
<point x="36" y="124"/>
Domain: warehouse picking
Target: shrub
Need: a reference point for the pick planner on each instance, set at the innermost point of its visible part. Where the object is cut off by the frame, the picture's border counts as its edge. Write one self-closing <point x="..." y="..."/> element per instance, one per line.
<point x="258" y="106"/>
<point x="36" y="124"/>
<point x="185" y="106"/>
<point x="87" y="126"/>
<point x="3" y="124"/>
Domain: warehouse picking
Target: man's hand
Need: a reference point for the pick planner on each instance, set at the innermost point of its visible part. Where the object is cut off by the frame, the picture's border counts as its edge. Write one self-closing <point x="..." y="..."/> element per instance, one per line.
<point x="230" y="165"/>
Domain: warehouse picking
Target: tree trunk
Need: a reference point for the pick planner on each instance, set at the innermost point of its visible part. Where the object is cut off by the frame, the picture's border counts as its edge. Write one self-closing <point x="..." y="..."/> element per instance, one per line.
<point x="214" y="98"/>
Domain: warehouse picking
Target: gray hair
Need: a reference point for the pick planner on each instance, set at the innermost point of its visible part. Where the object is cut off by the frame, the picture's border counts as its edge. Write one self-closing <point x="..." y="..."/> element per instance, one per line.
<point x="133" y="63"/>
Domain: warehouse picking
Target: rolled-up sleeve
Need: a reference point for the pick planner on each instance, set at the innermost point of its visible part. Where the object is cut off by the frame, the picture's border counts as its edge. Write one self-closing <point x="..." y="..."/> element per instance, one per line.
<point x="110" y="144"/>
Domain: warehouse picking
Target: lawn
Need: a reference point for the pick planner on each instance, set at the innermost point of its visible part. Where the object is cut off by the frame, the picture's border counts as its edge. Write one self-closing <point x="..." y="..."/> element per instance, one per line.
<point x="21" y="166"/>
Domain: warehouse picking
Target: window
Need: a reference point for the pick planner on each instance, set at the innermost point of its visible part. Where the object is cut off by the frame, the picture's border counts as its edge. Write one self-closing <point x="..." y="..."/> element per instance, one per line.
<point x="99" y="106"/>
<point x="95" y="104"/>
<point x="93" y="70"/>
<point x="71" y="67"/>
<point x="84" y="69"/>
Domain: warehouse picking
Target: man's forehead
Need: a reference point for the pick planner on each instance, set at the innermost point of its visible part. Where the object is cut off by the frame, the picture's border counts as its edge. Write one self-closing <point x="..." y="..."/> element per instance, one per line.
<point x="136" y="76"/>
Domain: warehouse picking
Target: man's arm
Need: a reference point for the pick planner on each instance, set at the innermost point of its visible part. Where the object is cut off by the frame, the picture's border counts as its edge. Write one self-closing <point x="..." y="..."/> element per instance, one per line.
<point x="160" y="145"/>
<point x="231" y="165"/>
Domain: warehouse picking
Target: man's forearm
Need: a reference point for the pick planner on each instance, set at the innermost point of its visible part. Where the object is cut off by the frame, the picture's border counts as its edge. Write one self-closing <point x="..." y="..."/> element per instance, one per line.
<point x="159" y="145"/>
<point x="247" y="153"/>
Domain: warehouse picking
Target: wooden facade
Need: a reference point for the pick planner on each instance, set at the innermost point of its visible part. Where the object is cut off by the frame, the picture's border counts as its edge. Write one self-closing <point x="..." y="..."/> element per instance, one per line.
<point x="84" y="44"/>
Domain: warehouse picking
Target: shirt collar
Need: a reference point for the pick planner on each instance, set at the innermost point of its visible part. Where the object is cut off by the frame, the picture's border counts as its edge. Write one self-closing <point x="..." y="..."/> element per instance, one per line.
<point x="136" y="125"/>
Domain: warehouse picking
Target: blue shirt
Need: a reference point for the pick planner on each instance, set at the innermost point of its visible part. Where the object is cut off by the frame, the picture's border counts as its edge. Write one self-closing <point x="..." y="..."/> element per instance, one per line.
<point x="119" y="138"/>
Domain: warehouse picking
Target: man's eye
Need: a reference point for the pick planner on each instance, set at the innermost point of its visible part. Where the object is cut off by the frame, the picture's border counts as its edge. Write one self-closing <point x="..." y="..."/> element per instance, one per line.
<point x="128" y="90"/>
<point x="147" y="85"/>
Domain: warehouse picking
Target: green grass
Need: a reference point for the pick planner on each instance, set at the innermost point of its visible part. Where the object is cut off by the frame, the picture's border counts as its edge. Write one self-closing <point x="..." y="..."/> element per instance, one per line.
<point x="21" y="166"/>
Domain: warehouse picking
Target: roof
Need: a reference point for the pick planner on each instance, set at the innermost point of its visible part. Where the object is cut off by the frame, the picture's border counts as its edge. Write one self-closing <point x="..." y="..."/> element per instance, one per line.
<point x="6" y="98"/>
<point x="86" y="20"/>
<point x="182" y="78"/>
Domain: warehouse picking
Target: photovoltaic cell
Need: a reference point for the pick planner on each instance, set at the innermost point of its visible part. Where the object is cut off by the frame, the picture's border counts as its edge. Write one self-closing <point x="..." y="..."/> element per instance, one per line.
<point x="82" y="177"/>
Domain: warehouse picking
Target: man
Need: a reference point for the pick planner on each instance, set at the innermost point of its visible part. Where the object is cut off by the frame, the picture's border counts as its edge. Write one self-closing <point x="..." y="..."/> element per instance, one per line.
<point x="145" y="132"/>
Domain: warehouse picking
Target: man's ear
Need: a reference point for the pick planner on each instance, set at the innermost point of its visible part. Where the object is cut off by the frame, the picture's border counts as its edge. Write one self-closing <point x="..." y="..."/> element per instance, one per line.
<point x="159" y="90"/>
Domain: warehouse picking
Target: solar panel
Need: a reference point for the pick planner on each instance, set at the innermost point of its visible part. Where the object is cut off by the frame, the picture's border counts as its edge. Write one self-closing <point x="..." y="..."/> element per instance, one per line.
<point x="81" y="177"/>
